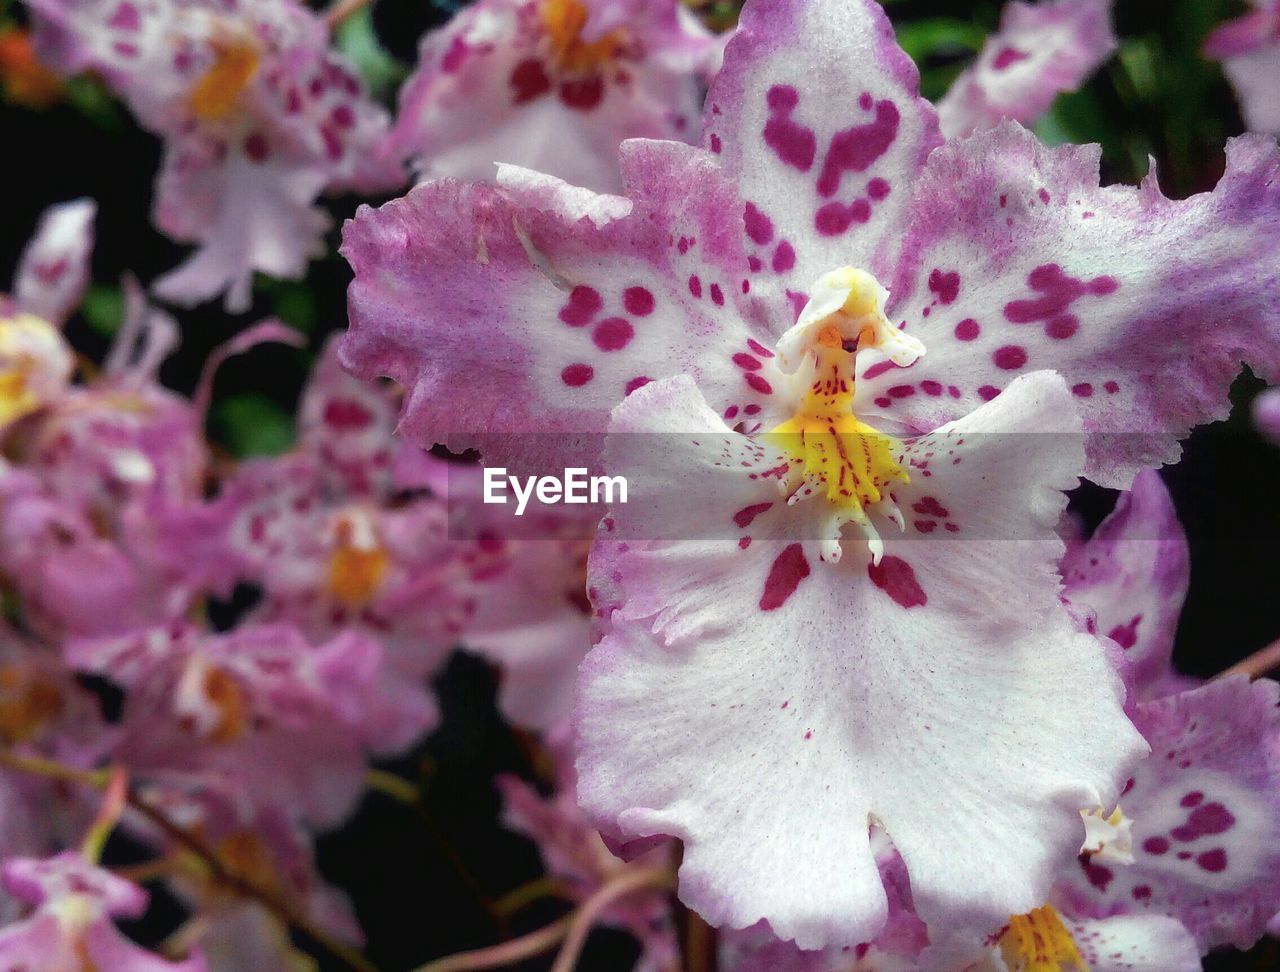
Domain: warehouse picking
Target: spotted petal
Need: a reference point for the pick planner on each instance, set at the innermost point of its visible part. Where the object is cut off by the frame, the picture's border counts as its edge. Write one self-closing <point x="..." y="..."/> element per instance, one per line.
<point x="817" y="116"/>
<point x="1040" y="51"/>
<point x="1147" y="306"/>
<point x="537" y="307"/>
<point x="54" y="270"/>
<point x="765" y="707"/>
<point x="1133" y="574"/>
<point x="1206" y="817"/>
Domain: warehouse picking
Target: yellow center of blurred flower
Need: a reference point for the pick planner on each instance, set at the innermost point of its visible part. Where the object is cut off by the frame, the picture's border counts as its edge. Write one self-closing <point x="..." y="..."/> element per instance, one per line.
<point x="25" y="80"/>
<point x="222" y="691"/>
<point x="27" y="701"/>
<point x="357" y="564"/>
<point x="216" y="93"/>
<point x="832" y="452"/>
<point x="1040" y="942"/>
<point x="563" y="21"/>
<point x="26" y="341"/>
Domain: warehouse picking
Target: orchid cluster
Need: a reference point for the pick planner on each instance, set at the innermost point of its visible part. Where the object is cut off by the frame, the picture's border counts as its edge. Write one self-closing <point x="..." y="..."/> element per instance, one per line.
<point x="839" y="680"/>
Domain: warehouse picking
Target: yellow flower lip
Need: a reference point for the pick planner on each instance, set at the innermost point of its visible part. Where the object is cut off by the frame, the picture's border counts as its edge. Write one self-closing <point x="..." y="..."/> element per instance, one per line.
<point x="831" y="452"/>
<point x="1040" y="942"/>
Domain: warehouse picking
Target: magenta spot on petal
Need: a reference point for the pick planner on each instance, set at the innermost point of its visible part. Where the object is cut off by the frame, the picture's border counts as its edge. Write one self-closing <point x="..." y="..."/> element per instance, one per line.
<point x="1192" y="799"/>
<point x="1007" y="57"/>
<point x="929" y="506"/>
<point x="717" y="295"/>
<point x="754" y="264"/>
<point x="454" y="57"/>
<point x="897" y="578"/>
<point x="878" y="189"/>
<point x="529" y="80"/>
<point x="988" y="392"/>
<point x="1156" y="846"/>
<point x="1214" y="861"/>
<point x="638" y="382"/>
<point x="715" y="144"/>
<point x="967" y="330"/>
<point x="1057" y="293"/>
<point x="784" y="257"/>
<point x="745" y="515"/>
<point x="1082" y="390"/>
<point x="1111" y="387"/>
<point x="931" y="387"/>
<point x="577" y="375"/>
<point x="613" y="334"/>
<point x="1011" y="357"/>
<point x="637" y="301"/>
<point x="789" y="568"/>
<point x="1141" y="893"/>
<point x="902" y="391"/>
<point x="744" y="543"/>
<point x="865" y="101"/>
<point x="343" y="116"/>
<point x="759" y="348"/>
<point x="794" y="144"/>
<point x="125" y="17"/>
<point x="834" y="218"/>
<point x="584" y="304"/>
<point x="878" y="369"/>
<point x="346" y="415"/>
<point x="856" y="149"/>
<point x="1098" y="875"/>
<point x="746" y="362"/>
<point x="582" y="94"/>
<point x="759" y="227"/>
<point x="945" y="285"/>
<point x="759" y="384"/>
<point x="1063" y="327"/>
<point x="883" y="402"/>
<point x="1126" y="635"/>
<point x="695" y="286"/>
<point x="256" y="148"/>
<point x="1044" y="196"/>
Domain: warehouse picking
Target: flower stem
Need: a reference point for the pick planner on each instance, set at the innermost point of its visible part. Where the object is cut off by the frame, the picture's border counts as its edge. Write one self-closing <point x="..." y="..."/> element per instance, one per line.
<point x="396" y="787"/>
<point x="273" y="902"/>
<point x="1260" y="663"/>
<point x="508" y="953"/>
<point x="586" y="914"/>
<point x="526" y="894"/>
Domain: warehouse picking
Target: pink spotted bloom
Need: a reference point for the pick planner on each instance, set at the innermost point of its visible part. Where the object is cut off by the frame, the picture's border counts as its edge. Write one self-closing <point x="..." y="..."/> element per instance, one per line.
<point x="292" y="720"/>
<point x="1040" y="51"/>
<point x="552" y="85"/>
<point x="258" y="114"/>
<point x="1249" y="49"/>
<point x="35" y="361"/>
<point x="846" y="368"/>
<point x="71" y="927"/>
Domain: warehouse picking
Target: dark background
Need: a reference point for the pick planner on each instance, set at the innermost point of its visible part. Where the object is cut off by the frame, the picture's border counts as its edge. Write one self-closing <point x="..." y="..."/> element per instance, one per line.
<point x="424" y="877"/>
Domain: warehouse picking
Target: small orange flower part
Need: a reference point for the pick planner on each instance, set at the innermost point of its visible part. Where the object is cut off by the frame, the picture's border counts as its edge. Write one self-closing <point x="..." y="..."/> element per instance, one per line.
<point x="563" y="21"/>
<point x="218" y="91"/>
<point x="24" y="79"/>
<point x="28" y="700"/>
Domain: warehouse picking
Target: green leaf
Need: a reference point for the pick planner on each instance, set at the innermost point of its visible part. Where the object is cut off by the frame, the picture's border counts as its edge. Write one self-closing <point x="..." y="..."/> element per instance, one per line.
<point x="251" y="424"/>
<point x="103" y="309"/>
<point x="357" y="39"/>
<point x="939" y="36"/>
